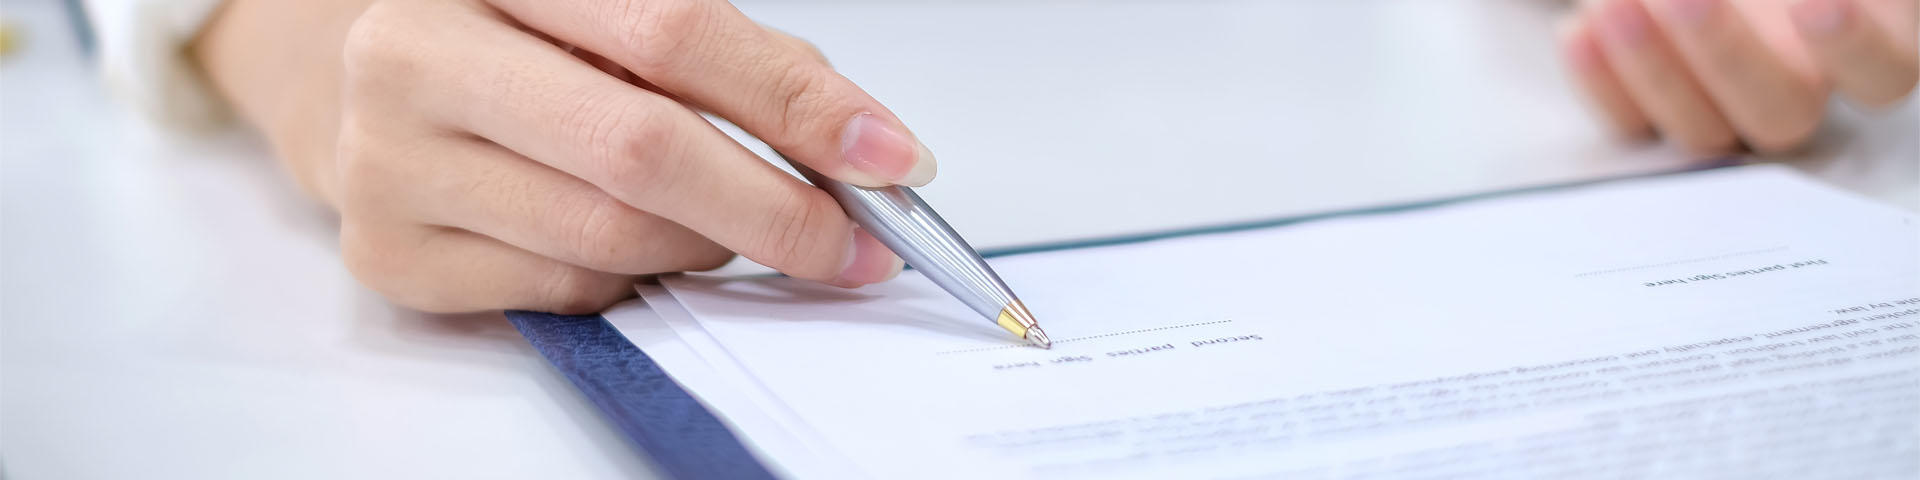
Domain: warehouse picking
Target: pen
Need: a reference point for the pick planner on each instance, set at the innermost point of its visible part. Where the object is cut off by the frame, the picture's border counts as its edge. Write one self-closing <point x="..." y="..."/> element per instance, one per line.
<point x="905" y="224"/>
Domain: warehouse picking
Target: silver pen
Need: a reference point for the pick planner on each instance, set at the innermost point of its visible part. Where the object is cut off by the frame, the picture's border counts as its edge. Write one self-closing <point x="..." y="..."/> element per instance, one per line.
<point x="905" y="224"/>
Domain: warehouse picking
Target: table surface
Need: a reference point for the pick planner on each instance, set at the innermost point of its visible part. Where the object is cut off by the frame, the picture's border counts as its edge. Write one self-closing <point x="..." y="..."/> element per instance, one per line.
<point x="173" y="308"/>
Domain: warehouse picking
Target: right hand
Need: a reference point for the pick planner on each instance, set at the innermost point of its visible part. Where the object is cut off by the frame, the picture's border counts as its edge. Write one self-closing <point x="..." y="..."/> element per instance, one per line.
<point x="528" y="154"/>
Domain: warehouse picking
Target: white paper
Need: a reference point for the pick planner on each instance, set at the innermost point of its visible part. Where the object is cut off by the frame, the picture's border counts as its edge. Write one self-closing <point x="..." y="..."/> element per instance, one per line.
<point x="1730" y="323"/>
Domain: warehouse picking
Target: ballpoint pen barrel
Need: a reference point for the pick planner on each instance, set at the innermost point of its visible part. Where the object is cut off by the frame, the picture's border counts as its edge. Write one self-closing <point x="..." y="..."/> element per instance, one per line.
<point x="905" y="224"/>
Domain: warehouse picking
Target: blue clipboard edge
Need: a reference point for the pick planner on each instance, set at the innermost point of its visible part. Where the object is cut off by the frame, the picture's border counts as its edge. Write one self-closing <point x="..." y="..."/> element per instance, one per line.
<point x="1347" y="212"/>
<point x="660" y="419"/>
<point x="663" y="421"/>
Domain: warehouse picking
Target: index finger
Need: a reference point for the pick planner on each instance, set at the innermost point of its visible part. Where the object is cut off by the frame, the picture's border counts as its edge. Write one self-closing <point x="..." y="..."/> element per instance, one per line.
<point x="709" y="53"/>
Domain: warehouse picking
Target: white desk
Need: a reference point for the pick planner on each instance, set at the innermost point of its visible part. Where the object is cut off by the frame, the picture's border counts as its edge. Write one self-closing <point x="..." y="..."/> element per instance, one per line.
<point x="173" y="309"/>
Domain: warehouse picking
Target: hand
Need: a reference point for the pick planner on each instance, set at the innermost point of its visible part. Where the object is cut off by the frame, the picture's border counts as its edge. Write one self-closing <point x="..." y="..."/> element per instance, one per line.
<point x="1709" y="74"/>
<point x="529" y="154"/>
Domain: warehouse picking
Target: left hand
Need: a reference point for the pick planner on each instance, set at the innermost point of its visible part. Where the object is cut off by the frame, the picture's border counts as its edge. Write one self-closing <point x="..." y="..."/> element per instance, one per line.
<point x="1711" y="74"/>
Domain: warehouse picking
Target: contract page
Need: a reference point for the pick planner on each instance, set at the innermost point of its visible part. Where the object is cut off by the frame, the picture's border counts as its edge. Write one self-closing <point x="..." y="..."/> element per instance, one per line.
<point x="1728" y="323"/>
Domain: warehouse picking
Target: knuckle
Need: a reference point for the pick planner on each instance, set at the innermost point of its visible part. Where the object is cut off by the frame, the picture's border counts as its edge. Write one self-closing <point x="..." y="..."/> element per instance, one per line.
<point x="368" y="170"/>
<point x="812" y="51"/>
<point x="656" y="33"/>
<point x="804" y="47"/>
<point x="369" y="255"/>
<point x="602" y="235"/>
<point x="801" y="103"/>
<point x="379" y="44"/>
<point x="788" y="242"/>
<point x="361" y="254"/>
<point x="616" y="139"/>
<point x="352" y="155"/>
<point x="355" y="169"/>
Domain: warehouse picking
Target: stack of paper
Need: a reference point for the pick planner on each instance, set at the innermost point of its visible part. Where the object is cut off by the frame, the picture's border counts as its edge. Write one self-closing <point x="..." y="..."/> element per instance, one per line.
<point x="1731" y="323"/>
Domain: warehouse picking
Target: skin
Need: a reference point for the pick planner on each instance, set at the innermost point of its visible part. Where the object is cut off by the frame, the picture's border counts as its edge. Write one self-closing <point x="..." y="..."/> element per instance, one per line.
<point x="526" y="154"/>
<point x="529" y="154"/>
<point x="1713" y="75"/>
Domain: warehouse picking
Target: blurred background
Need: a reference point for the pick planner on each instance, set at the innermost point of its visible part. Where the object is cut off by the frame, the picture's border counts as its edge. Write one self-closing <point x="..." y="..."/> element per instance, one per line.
<point x="172" y="298"/>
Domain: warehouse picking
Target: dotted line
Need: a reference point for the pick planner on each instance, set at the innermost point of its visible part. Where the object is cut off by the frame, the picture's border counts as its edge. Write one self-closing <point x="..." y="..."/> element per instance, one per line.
<point x="1678" y="262"/>
<point x="983" y="349"/>
<point x="1130" y="332"/>
<point x="1076" y="339"/>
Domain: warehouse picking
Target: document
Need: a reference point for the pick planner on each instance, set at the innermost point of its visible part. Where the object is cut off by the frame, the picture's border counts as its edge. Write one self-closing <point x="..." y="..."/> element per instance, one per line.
<point x="1731" y="323"/>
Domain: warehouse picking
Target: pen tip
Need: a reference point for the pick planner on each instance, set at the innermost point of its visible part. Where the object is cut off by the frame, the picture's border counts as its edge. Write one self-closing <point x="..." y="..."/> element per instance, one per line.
<point x="1018" y="321"/>
<point x="1039" y="337"/>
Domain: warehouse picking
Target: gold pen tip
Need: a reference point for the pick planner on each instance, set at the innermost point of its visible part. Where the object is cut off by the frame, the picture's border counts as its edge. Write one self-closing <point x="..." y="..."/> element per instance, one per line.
<point x="1039" y="338"/>
<point x="1017" y="320"/>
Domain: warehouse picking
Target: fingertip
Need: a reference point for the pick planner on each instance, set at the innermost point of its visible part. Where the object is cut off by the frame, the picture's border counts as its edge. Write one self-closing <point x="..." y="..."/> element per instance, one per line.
<point x="1786" y="134"/>
<point x="899" y="265"/>
<point x="1635" y="130"/>
<point x="1583" y="52"/>
<point x="924" y="167"/>
<point x="880" y="152"/>
<point x="1577" y="45"/>
<point x="1706" y="145"/>
<point x="1604" y="93"/>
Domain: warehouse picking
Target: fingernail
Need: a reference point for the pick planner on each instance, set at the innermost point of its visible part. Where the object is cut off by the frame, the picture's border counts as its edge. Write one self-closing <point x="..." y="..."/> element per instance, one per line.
<point x="1820" y="17"/>
<point x="1692" y="12"/>
<point x="877" y="147"/>
<point x="1624" y="21"/>
<point x="868" y="261"/>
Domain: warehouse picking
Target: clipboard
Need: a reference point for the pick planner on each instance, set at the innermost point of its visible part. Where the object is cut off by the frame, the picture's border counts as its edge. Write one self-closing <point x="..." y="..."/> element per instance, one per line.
<point x="664" y="422"/>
